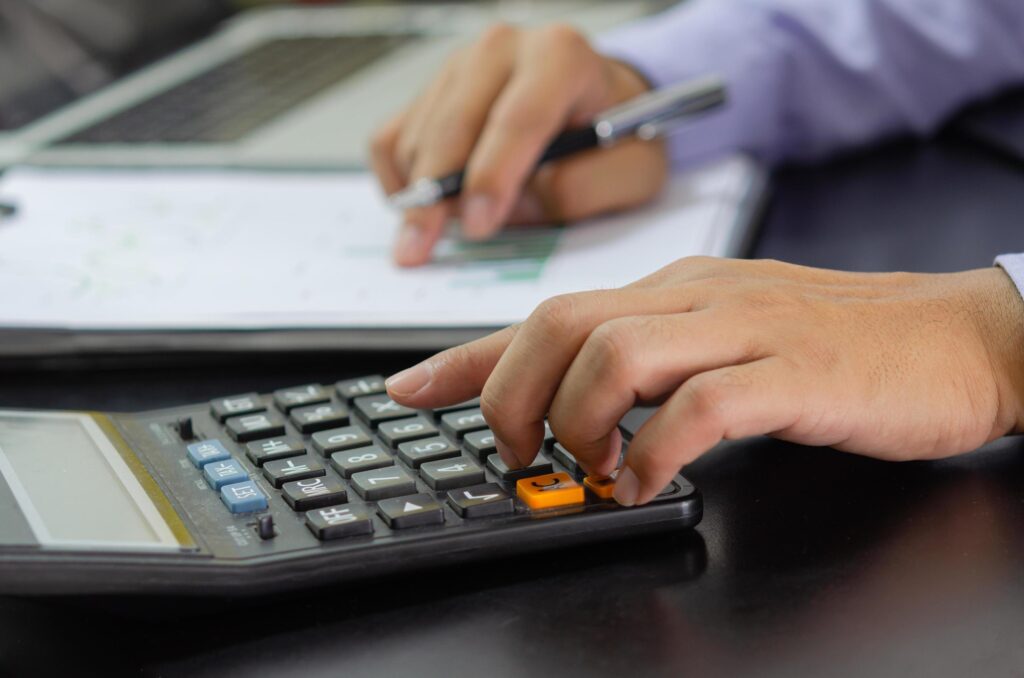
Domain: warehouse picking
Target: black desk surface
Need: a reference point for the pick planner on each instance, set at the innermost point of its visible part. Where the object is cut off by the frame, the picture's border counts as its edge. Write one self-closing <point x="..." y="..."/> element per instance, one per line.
<point x="808" y="562"/>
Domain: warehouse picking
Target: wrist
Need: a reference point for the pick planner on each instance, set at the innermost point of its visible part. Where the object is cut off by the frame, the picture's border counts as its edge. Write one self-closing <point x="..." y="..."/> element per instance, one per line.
<point x="998" y="311"/>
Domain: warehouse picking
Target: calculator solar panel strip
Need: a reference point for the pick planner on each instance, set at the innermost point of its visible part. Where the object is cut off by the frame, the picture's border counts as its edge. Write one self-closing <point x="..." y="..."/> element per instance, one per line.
<point x="307" y="486"/>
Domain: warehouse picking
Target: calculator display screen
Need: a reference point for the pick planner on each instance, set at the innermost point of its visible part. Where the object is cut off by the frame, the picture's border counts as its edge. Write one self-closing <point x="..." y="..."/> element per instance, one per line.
<point x="75" y="488"/>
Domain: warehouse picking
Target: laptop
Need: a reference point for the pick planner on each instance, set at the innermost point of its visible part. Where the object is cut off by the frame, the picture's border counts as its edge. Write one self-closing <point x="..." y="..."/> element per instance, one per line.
<point x="277" y="87"/>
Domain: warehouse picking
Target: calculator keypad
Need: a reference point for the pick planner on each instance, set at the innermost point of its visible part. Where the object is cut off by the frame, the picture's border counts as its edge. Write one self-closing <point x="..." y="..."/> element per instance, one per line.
<point x="360" y="459"/>
<point x="262" y="451"/>
<point x="312" y="493"/>
<point x="379" y="408"/>
<point x="281" y="471"/>
<point x="414" y="511"/>
<point x="287" y="399"/>
<point x="401" y="430"/>
<point x="246" y="403"/>
<point x="348" y="458"/>
<point x="383" y="483"/>
<point x="254" y="426"/>
<point x="312" y="418"/>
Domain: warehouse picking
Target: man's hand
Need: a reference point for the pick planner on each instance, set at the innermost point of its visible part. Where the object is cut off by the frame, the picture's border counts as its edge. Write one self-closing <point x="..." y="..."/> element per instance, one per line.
<point x="493" y="109"/>
<point x="895" y="366"/>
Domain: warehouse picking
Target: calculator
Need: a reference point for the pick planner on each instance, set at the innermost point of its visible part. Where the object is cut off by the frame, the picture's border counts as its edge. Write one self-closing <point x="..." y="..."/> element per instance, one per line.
<point x="306" y="486"/>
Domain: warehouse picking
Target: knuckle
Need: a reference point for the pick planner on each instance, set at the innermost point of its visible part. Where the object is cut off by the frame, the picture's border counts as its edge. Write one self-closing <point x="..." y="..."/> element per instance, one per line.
<point x="611" y="347"/>
<point x="563" y="36"/>
<point x="492" y="407"/>
<point x="497" y="34"/>
<point x="555" y="317"/>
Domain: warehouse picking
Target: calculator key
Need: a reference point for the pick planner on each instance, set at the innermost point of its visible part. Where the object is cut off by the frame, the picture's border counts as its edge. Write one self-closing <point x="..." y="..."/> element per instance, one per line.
<point x="467" y="405"/>
<point x="281" y="471"/>
<point x="221" y="473"/>
<point x="602" y="487"/>
<point x="243" y="497"/>
<point x="254" y="426"/>
<point x="205" y="451"/>
<point x="383" y="483"/>
<point x="565" y="458"/>
<point x="350" y="389"/>
<point x="462" y="422"/>
<point x="480" y="444"/>
<point x="415" y="452"/>
<point x="319" y="417"/>
<point x="414" y="511"/>
<point x="480" y="501"/>
<point x="549" y="437"/>
<point x="297" y="396"/>
<point x="338" y="439"/>
<point x="263" y="451"/>
<point x="336" y="522"/>
<point x="359" y="459"/>
<point x="447" y="474"/>
<point x="550" y="491"/>
<point x="401" y="430"/>
<point x="313" y="493"/>
<point x="377" y="408"/>
<point x="246" y="403"/>
<point x="538" y="467"/>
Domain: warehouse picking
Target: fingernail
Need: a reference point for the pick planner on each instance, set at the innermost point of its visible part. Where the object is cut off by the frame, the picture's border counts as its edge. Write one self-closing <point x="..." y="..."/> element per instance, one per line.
<point x="409" y="244"/>
<point x="506" y="454"/>
<point x="477" y="216"/>
<point x="409" y="382"/>
<point x="627" y="487"/>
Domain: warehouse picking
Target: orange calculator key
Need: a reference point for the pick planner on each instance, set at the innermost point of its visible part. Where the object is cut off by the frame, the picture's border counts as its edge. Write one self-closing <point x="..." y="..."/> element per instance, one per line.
<point x="602" y="487"/>
<point x="549" y="491"/>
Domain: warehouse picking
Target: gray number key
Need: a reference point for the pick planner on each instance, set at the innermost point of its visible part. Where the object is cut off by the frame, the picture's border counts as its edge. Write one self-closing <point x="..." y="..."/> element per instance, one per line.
<point x="447" y="474"/>
<point x="338" y="439"/>
<point x="359" y="459"/>
<point x="460" y="423"/>
<point x="415" y="452"/>
<point x="383" y="483"/>
<point x="539" y="467"/>
<point x="401" y="430"/>
<point x="480" y="444"/>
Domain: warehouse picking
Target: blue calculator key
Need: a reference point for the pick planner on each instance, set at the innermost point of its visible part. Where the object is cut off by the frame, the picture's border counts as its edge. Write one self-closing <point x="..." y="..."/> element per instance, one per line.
<point x="243" y="497"/>
<point x="205" y="451"/>
<point x="221" y="473"/>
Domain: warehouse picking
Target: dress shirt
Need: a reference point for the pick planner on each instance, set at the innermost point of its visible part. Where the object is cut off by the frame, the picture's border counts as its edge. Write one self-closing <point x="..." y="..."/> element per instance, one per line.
<point x="807" y="78"/>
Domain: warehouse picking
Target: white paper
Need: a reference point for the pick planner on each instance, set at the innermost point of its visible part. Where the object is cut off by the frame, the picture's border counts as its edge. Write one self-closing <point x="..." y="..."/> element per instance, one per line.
<point x="175" y="249"/>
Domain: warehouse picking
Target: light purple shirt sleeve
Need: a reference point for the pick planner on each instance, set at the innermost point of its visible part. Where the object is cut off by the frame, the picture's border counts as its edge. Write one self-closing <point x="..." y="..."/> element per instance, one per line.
<point x="807" y="78"/>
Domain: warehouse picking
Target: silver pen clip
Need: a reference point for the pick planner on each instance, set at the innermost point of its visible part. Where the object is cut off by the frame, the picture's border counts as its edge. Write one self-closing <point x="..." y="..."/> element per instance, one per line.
<point x="660" y="111"/>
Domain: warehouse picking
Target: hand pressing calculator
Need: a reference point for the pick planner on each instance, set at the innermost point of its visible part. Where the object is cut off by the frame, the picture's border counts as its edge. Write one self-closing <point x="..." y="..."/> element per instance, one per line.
<point x="251" y="494"/>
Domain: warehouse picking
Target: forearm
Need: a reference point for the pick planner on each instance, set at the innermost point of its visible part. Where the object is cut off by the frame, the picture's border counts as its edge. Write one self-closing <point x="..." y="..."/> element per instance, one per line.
<point x="810" y="77"/>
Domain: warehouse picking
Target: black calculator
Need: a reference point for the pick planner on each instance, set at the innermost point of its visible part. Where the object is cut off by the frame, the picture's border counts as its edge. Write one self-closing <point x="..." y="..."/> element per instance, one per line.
<point x="260" y="493"/>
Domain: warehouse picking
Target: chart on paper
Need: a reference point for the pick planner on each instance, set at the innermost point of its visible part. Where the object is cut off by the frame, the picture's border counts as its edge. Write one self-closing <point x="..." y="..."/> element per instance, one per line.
<point x="117" y="249"/>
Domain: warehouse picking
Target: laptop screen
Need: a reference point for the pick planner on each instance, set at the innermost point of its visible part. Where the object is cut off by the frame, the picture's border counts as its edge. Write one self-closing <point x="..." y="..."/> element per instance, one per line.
<point x="55" y="51"/>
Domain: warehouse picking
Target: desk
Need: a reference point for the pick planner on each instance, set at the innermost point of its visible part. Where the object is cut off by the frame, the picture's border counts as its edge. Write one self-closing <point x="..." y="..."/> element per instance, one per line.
<point x="808" y="562"/>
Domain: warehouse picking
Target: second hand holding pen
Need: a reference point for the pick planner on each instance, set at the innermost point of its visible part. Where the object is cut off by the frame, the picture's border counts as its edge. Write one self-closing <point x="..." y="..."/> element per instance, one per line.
<point x="648" y="116"/>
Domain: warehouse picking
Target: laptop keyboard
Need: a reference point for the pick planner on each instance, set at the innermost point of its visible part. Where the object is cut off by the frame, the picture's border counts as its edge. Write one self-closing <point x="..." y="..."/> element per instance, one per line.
<point x="238" y="96"/>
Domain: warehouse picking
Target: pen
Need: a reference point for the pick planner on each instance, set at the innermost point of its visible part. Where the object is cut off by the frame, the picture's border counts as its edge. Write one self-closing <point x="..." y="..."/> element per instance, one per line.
<point x="650" y="115"/>
<point x="7" y="209"/>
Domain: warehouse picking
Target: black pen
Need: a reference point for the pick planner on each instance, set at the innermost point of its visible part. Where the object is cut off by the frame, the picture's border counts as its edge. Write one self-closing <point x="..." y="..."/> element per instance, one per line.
<point x="650" y="115"/>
